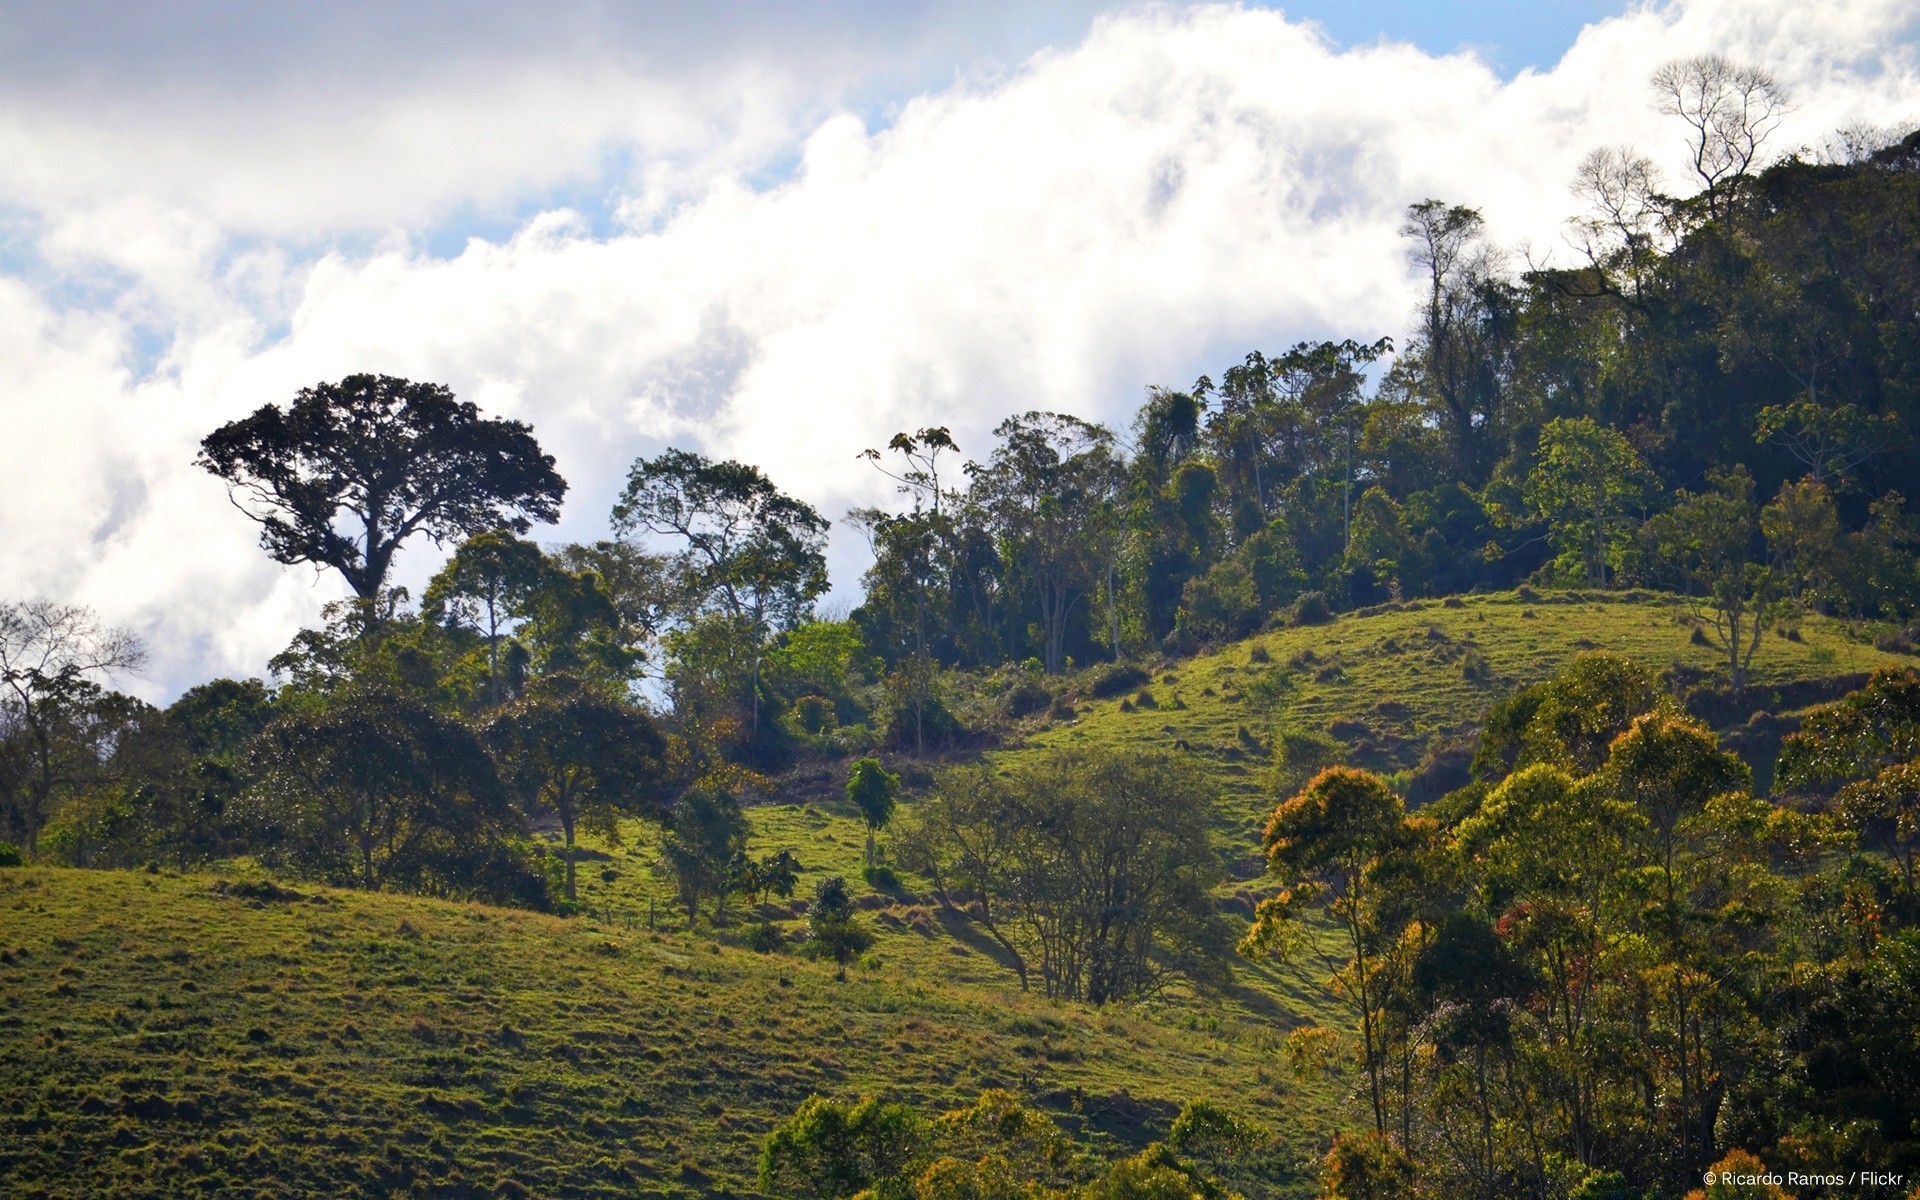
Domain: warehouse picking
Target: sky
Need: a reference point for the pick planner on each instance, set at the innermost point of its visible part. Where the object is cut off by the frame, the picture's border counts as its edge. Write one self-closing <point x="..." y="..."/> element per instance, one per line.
<point x="762" y="231"/>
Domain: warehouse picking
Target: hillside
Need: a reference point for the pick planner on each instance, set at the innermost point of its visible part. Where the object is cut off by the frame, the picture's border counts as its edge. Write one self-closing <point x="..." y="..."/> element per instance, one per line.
<point x="167" y="1033"/>
<point x="1403" y="688"/>
<point x="164" y="1036"/>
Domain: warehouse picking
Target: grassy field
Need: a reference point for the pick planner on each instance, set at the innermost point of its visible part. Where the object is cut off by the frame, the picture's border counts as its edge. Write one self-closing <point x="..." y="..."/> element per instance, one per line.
<point x="166" y="1034"/>
<point x="160" y="1036"/>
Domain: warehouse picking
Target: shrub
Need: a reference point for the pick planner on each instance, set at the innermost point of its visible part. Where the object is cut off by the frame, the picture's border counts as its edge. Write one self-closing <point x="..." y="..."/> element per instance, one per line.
<point x="10" y="855"/>
<point x="766" y="938"/>
<point x="1311" y="609"/>
<point x="1025" y="698"/>
<point x="881" y="878"/>
<point x="1113" y="679"/>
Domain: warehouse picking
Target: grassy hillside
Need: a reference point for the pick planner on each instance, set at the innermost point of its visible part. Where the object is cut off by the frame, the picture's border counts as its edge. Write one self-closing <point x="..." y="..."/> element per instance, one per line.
<point x="1405" y="687"/>
<point x="162" y="1036"/>
<point x="164" y="1033"/>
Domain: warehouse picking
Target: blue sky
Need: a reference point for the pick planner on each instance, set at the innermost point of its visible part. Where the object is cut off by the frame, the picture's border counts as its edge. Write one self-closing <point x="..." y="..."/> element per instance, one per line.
<point x="758" y="230"/>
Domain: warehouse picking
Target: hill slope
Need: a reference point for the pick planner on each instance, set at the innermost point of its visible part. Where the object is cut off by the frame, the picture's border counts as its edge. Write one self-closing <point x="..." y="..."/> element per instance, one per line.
<point x="162" y="1036"/>
<point x="162" y="1033"/>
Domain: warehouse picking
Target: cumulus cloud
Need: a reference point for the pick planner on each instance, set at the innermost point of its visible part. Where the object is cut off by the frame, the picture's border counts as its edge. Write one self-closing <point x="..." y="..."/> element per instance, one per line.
<point x="1149" y="201"/>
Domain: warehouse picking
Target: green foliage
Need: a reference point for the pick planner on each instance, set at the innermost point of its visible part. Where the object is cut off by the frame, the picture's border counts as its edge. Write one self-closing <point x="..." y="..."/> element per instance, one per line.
<point x="397" y="457"/>
<point x="10" y="855"/>
<point x="1708" y="540"/>
<point x="998" y="1147"/>
<point x="776" y="874"/>
<point x="585" y="757"/>
<point x="1091" y="869"/>
<point x="748" y="550"/>
<point x="1310" y="609"/>
<point x="704" y="848"/>
<point x="1588" y="486"/>
<point x="372" y="788"/>
<point x="832" y="929"/>
<point x="1365" y="1166"/>
<point x="1570" y="720"/>
<point x="873" y="791"/>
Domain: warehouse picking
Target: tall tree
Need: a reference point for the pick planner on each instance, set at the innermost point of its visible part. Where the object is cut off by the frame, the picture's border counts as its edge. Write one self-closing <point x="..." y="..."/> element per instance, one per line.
<point x="1587" y="484"/>
<point x="1326" y="843"/>
<point x="873" y="790"/>
<point x="1709" y="540"/>
<point x="746" y="548"/>
<point x="388" y="456"/>
<point x="705" y="848"/>
<point x="1043" y="489"/>
<point x="1729" y="109"/>
<point x="486" y="586"/>
<point x="1465" y="330"/>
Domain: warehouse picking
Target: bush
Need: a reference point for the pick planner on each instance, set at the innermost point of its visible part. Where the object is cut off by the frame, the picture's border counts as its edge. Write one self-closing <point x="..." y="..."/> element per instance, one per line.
<point x="10" y="855"/>
<point x="1025" y="698"/>
<point x="1113" y="679"/>
<point x="766" y="937"/>
<point x="1311" y="609"/>
<point x="881" y="877"/>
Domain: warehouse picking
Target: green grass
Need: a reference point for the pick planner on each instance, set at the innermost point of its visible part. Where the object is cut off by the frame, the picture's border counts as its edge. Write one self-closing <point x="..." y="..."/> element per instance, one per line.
<point x="160" y="1036"/>
<point x="1401" y="673"/>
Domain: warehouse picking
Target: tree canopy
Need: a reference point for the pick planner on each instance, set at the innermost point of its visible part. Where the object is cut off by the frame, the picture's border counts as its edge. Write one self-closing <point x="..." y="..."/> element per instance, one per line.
<point x="386" y="457"/>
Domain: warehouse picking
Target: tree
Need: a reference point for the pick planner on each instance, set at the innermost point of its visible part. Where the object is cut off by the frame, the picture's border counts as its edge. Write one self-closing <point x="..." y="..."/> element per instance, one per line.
<point x="1586" y="484"/>
<point x="1830" y="440"/>
<point x="747" y="549"/>
<point x="1043" y="489"/>
<point x="832" y="929"/>
<point x="1570" y="720"/>
<point x="1802" y="529"/>
<point x="1462" y="339"/>
<point x="1091" y="868"/>
<point x="50" y="654"/>
<point x="1858" y="736"/>
<point x="1708" y="539"/>
<point x="830" y="1151"/>
<point x="1325" y="843"/>
<point x="588" y="758"/>
<point x="486" y="585"/>
<point x="774" y="874"/>
<point x="873" y="790"/>
<point x="1730" y="110"/>
<point x="371" y="787"/>
<point x="390" y="457"/>
<point x="705" y="847"/>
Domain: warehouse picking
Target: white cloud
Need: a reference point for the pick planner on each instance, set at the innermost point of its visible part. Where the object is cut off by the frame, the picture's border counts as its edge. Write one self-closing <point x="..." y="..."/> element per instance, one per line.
<point x="1175" y="189"/>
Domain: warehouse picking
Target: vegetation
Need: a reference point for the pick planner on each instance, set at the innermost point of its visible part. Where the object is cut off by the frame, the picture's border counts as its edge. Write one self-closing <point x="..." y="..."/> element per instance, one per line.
<point x="1533" y="705"/>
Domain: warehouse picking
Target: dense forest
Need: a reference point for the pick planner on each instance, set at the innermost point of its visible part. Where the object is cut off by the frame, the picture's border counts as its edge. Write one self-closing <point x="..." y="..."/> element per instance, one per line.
<point x="1608" y="958"/>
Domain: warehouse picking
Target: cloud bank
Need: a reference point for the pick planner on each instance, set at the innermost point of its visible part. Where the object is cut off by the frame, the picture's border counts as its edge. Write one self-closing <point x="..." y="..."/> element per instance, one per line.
<point x="1148" y="200"/>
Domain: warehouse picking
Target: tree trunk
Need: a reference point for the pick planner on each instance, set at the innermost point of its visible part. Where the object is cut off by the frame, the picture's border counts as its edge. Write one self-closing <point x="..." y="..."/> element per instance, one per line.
<point x="566" y="824"/>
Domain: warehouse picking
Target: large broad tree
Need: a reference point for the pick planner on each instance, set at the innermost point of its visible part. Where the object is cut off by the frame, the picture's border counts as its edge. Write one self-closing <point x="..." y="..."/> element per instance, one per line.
<point x="50" y="655"/>
<point x="349" y="471"/>
<point x="1092" y="869"/>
